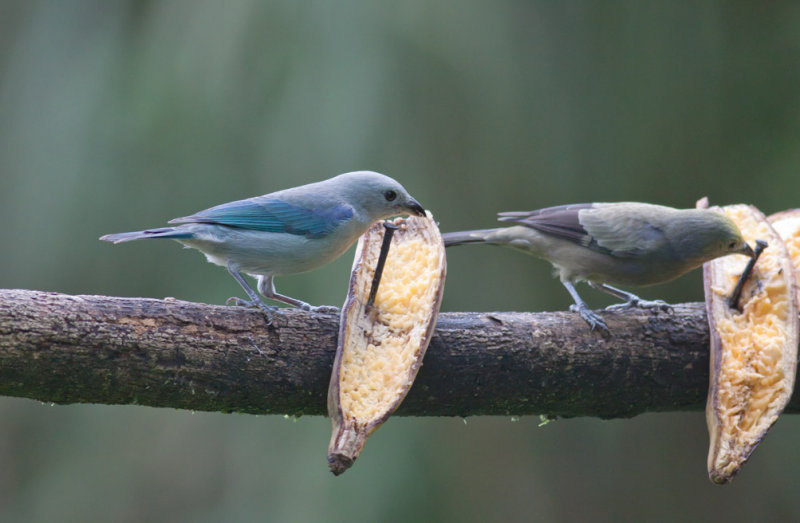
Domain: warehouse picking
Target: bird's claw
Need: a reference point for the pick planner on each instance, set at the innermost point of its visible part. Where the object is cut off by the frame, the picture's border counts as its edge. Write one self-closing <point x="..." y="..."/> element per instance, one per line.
<point x="641" y="304"/>
<point x="325" y="309"/>
<point x="239" y="302"/>
<point x="591" y="318"/>
<point x="318" y="308"/>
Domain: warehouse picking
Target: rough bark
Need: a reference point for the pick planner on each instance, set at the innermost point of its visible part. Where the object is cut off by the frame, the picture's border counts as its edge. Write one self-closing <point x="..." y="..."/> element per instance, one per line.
<point x="169" y="353"/>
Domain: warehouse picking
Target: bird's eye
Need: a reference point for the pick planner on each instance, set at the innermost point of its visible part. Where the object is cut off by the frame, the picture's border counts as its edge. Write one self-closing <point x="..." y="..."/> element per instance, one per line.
<point x="732" y="245"/>
<point x="390" y="196"/>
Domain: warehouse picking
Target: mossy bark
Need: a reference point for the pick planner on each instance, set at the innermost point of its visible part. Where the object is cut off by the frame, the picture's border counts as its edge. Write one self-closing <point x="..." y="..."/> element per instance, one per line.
<point x="169" y="353"/>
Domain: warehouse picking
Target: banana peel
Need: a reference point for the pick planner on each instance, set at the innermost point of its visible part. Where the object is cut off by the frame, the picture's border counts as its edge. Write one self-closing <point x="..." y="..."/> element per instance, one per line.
<point x="753" y="352"/>
<point x="381" y="346"/>
<point x="787" y="225"/>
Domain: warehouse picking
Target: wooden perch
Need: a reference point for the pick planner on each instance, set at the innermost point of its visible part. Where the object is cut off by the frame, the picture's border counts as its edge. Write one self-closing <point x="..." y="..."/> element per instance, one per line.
<point x="170" y="353"/>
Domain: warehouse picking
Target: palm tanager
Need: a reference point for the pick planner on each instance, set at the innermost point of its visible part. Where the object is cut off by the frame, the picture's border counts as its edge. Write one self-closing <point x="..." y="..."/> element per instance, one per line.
<point x="615" y="243"/>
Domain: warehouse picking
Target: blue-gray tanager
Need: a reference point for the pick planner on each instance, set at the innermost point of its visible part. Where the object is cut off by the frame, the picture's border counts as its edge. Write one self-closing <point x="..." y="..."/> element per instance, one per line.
<point x="619" y="243"/>
<point x="286" y="232"/>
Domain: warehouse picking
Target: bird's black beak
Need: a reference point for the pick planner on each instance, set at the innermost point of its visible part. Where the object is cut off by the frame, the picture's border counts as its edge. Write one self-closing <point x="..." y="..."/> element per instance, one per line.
<point x="747" y="250"/>
<point x="415" y="208"/>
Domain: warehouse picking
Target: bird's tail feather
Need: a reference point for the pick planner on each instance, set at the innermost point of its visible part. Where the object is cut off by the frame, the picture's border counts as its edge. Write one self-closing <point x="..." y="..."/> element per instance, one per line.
<point x="166" y="232"/>
<point x="462" y="237"/>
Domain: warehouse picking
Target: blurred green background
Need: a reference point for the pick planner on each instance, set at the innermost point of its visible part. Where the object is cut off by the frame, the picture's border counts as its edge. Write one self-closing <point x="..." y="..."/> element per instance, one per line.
<point x="117" y="116"/>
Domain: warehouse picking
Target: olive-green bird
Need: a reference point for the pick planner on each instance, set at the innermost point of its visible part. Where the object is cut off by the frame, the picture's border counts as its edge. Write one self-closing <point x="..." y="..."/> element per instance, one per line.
<point x="615" y="243"/>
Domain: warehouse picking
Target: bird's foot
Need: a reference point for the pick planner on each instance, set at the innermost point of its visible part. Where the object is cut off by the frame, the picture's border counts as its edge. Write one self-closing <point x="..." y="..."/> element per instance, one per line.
<point x="235" y="300"/>
<point x="300" y="304"/>
<point x="325" y="309"/>
<point x="590" y="317"/>
<point x="641" y="304"/>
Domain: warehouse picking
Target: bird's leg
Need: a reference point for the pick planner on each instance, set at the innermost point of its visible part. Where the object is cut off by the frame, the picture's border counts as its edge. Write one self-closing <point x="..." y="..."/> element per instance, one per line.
<point x="581" y="308"/>
<point x="255" y="301"/>
<point x="631" y="300"/>
<point x="267" y="288"/>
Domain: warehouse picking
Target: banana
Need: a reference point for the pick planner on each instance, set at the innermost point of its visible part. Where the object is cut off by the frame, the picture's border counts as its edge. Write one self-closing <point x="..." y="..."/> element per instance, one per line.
<point x="753" y="352"/>
<point x="381" y="346"/>
<point x="787" y="225"/>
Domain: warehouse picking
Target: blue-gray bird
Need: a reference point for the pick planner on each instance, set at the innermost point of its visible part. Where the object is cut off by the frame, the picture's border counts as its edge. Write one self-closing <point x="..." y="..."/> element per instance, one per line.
<point x="615" y="243"/>
<point x="286" y="232"/>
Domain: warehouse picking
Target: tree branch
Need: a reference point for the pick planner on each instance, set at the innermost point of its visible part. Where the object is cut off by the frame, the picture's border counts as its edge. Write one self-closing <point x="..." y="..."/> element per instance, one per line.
<point x="170" y="353"/>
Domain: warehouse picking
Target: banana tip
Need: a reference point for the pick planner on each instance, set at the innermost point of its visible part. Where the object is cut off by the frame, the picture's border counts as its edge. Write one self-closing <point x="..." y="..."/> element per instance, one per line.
<point x="338" y="463"/>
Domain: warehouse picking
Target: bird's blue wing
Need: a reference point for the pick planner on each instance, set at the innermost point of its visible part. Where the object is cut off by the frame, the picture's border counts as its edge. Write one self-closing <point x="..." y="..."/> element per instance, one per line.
<point x="272" y="215"/>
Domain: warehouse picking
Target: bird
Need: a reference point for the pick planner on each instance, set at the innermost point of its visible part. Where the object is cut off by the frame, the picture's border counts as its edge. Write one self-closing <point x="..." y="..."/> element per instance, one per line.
<point x="605" y="244"/>
<point x="286" y="232"/>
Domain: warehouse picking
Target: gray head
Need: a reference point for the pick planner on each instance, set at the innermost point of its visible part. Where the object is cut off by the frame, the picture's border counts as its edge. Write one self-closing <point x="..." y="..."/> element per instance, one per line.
<point x="377" y="195"/>
<point x="709" y="234"/>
